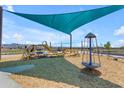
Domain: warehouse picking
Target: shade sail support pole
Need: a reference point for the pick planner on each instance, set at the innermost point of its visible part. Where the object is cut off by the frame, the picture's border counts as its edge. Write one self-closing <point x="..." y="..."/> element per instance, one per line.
<point x="61" y="46"/>
<point x="1" y="13"/>
<point x="90" y="54"/>
<point x="70" y="43"/>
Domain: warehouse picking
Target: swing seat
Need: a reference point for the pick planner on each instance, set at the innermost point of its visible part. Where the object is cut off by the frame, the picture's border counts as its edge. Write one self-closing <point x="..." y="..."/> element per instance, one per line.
<point x="94" y="65"/>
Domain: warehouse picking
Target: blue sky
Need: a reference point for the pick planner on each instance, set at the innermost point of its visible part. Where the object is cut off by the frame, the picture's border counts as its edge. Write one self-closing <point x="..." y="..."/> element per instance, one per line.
<point x="20" y="30"/>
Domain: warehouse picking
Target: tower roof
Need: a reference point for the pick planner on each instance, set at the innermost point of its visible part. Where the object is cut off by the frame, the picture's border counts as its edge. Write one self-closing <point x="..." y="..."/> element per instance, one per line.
<point x="90" y="35"/>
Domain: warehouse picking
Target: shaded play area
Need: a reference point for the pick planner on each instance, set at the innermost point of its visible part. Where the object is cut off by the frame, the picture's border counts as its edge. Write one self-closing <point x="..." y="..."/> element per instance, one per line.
<point x="59" y="70"/>
<point x="87" y="70"/>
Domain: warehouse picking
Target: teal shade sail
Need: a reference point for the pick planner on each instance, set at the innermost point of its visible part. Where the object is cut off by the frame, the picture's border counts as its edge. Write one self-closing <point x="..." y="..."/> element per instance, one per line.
<point x="68" y="22"/>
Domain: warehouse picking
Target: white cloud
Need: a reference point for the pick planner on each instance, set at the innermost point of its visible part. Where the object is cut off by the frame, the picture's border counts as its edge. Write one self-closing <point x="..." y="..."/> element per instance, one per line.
<point x="120" y="31"/>
<point x="77" y="35"/>
<point x="31" y="34"/>
<point x="5" y="36"/>
<point x="18" y="37"/>
<point x="46" y="35"/>
<point x="10" y="8"/>
<point x="26" y="35"/>
<point x="28" y="42"/>
<point x="96" y="35"/>
<point x="3" y="42"/>
<point x="118" y="43"/>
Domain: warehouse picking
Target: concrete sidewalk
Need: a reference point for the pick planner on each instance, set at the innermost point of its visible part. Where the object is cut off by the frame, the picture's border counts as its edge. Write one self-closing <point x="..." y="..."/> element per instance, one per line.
<point x="7" y="82"/>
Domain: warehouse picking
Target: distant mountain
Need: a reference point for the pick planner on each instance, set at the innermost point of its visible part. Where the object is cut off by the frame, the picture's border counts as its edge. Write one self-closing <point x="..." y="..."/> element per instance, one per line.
<point x="13" y="45"/>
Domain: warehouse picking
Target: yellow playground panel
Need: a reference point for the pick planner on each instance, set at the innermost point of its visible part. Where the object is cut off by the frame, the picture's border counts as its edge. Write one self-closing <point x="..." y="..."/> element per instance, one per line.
<point x="33" y="52"/>
<point x="71" y="52"/>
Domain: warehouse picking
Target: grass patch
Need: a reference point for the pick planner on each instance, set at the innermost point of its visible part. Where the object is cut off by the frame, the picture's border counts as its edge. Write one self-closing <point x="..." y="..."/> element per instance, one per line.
<point x="60" y="70"/>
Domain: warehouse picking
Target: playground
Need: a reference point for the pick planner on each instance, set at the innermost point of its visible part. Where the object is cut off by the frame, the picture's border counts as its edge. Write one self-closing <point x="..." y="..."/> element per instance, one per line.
<point x="67" y="72"/>
<point x="44" y="66"/>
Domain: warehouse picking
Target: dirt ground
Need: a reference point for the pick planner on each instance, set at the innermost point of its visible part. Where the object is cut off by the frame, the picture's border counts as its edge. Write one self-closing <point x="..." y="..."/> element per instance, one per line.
<point x="111" y="70"/>
<point x="31" y="82"/>
<point x="11" y="57"/>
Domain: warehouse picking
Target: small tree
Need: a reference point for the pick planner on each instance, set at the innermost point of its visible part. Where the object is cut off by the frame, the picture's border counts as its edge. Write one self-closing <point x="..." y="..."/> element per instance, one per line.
<point x="122" y="47"/>
<point x="107" y="46"/>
